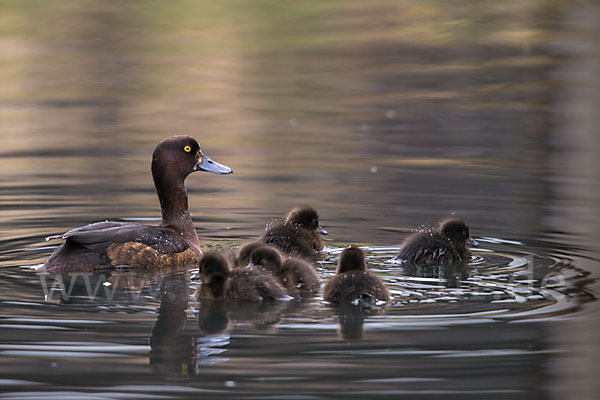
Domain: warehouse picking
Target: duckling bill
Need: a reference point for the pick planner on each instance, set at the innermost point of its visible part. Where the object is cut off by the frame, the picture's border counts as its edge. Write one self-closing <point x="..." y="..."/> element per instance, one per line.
<point x="174" y="241"/>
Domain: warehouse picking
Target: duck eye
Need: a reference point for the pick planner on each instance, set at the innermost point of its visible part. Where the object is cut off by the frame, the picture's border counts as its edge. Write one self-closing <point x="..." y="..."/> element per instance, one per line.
<point x="187" y="149"/>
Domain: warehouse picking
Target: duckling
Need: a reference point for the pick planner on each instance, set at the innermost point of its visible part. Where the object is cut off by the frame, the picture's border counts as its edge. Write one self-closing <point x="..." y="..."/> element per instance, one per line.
<point x="353" y="282"/>
<point x="242" y="257"/>
<point x="296" y="275"/>
<point x="298" y="234"/>
<point x="443" y="245"/>
<point x="221" y="281"/>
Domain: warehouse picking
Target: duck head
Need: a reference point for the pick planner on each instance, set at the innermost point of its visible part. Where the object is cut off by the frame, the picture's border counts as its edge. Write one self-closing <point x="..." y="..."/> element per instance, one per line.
<point x="267" y="258"/>
<point x="182" y="155"/>
<point x="305" y="217"/>
<point x="214" y="268"/>
<point x="457" y="231"/>
<point x="351" y="259"/>
<point x="172" y="161"/>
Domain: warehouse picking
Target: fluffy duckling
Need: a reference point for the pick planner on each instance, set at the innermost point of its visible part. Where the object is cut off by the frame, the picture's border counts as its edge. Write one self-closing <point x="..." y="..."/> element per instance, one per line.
<point x="221" y="281"/>
<point x="298" y="234"/>
<point x="353" y="282"/>
<point x="296" y="275"/>
<point x="242" y="257"/>
<point x="443" y="245"/>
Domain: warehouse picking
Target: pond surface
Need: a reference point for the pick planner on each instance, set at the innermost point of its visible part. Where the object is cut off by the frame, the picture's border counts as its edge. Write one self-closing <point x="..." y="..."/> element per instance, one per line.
<point x="384" y="116"/>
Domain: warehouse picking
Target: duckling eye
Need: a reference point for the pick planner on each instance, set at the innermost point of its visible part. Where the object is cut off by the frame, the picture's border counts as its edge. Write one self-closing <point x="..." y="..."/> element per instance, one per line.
<point x="187" y="149"/>
<point x="465" y="234"/>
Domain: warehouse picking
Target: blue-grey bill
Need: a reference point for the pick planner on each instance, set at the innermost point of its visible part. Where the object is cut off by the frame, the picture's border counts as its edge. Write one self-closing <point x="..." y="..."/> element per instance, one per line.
<point x="323" y="231"/>
<point x="473" y="242"/>
<point x="209" y="165"/>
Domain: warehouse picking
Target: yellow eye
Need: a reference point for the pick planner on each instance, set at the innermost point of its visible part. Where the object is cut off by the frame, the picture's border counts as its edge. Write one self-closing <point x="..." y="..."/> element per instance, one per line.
<point x="187" y="149"/>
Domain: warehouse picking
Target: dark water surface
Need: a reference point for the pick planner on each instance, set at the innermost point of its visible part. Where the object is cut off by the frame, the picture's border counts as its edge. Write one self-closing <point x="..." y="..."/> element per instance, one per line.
<point x="384" y="115"/>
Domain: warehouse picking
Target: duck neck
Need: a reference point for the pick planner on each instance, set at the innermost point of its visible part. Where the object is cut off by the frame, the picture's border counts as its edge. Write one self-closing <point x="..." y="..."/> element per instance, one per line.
<point x="174" y="206"/>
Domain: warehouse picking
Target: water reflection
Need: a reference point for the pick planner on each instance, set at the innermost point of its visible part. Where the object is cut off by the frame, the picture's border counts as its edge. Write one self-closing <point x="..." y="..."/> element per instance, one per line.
<point x="212" y="317"/>
<point x="431" y="330"/>
<point x="170" y="349"/>
<point x="176" y="352"/>
<point x="451" y="275"/>
<point x="351" y="319"/>
<point x="77" y="287"/>
<point x="504" y="279"/>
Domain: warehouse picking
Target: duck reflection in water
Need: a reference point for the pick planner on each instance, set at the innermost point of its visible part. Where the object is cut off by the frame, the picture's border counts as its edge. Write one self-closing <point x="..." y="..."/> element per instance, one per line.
<point x="120" y="286"/>
<point x="77" y="288"/>
<point x="450" y="275"/>
<point x="351" y="319"/>
<point x="176" y="354"/>
<point x="171" y="351"/>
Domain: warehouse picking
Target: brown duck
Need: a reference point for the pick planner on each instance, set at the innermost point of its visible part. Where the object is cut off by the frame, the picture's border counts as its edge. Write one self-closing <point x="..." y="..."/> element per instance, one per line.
<point x="174" y="241"/>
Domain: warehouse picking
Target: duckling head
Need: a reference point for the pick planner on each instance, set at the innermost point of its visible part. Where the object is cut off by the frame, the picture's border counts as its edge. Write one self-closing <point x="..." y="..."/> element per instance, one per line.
<point x="305" y="217"/>
<point x="267" y="258"/>
<point x="243" y="256"/>
<point x="457" y="231"/>
<point x="351" y="259"/>
<point x="214" y="268"/>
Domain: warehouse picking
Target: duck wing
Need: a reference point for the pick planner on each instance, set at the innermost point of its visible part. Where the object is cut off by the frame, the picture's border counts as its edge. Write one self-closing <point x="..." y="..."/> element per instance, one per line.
<point x="100" y="235"/>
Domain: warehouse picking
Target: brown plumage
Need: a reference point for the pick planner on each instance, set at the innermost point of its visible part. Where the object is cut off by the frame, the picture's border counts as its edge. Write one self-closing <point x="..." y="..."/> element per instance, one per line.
<point x="221" y="281"/>
<point x="242" y="258"/>
<point x="139" y="256"/>
<point x="443" y="245"/>
<point x="86" y="248"/>
<point x="298" y="234"/>
<point x="296" y="275"/>
<point x="353" y="282"/>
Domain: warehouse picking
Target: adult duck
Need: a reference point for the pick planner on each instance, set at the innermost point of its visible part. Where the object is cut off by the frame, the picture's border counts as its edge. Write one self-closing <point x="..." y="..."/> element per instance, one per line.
<point x="174" y="241"/>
